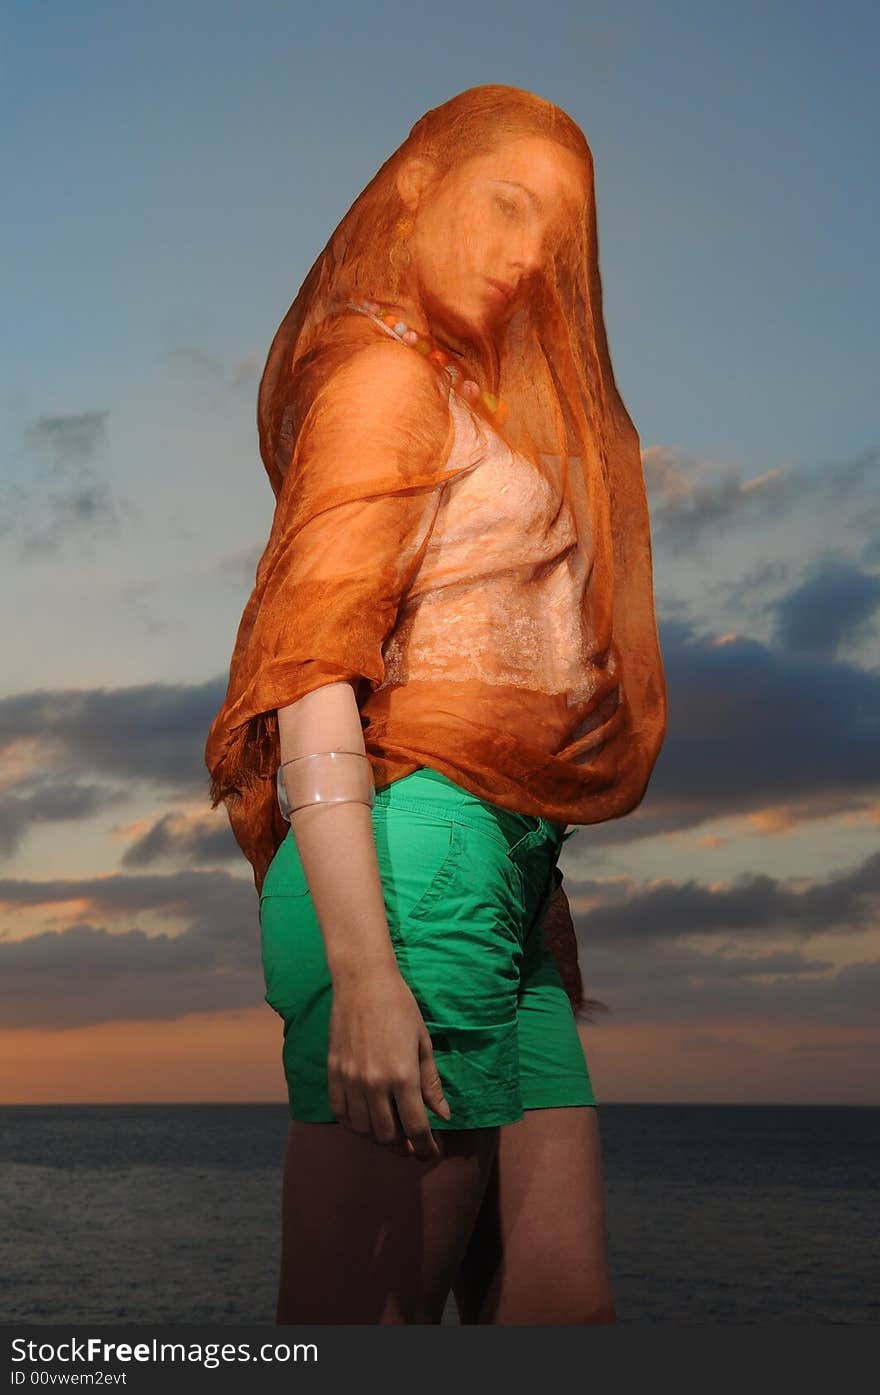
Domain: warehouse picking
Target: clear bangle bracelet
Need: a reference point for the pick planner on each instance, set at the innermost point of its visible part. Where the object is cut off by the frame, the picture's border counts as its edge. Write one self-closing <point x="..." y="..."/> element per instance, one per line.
<point x="325" y="777"/>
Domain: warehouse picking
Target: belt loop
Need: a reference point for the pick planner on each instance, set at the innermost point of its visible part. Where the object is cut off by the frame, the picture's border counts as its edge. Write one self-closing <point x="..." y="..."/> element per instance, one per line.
<point x="527" y="840"/>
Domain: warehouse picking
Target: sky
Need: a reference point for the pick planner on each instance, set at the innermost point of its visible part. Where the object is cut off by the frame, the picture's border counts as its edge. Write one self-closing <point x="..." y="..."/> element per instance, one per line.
<point x="173" y="172"/>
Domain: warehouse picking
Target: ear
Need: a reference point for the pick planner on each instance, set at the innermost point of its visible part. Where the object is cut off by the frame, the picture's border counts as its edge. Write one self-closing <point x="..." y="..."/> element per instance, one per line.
<point x="414" y="177"/>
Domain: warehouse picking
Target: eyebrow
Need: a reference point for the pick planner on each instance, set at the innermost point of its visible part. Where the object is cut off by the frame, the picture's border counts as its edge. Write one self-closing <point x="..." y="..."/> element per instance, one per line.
<point x="515" y="184"/>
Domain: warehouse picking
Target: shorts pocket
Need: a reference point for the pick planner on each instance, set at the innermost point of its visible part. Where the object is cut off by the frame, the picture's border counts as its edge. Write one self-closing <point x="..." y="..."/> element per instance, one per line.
<point x="285" y="875"/>
<point x="418" y="855"/>
<point x="441" y="878"/>
<point x="294" y="961"/>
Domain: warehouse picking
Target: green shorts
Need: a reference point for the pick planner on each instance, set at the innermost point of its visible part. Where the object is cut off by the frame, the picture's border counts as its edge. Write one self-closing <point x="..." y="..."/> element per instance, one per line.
<point x="466" y="886"/>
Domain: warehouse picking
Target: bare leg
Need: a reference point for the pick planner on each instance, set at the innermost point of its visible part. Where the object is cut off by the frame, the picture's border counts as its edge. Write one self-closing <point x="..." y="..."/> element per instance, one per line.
<point x="371" y="1237"/>
<point x="539" y="1252"/>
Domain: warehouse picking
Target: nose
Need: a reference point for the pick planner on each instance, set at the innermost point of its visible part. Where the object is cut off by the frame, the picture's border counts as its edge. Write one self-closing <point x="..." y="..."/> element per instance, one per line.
<point x="529" y="259"/>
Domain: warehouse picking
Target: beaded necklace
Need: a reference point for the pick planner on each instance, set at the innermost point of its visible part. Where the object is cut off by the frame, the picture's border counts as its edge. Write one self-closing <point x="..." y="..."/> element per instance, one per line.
<point x="495" y="406"/>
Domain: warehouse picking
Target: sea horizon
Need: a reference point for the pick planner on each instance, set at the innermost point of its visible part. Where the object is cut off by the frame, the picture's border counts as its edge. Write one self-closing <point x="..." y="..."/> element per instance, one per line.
<point x="158" y="1212"/>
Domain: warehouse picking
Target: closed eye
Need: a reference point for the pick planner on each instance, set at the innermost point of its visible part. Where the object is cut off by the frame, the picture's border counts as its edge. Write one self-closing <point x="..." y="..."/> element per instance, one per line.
<point x="508" y="205"/>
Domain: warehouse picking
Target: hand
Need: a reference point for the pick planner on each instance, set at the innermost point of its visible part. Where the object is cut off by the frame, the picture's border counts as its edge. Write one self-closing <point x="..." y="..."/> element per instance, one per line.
<point x="380" y="1064"/>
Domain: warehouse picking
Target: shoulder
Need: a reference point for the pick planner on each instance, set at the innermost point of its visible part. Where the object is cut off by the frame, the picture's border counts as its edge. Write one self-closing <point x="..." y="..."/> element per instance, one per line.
<point x="372" y="409"/>
<point x="363" y="369"/>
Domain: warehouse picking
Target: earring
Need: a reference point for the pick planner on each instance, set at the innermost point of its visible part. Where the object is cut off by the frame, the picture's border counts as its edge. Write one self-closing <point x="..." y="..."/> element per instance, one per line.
<point x="400" y="254"/>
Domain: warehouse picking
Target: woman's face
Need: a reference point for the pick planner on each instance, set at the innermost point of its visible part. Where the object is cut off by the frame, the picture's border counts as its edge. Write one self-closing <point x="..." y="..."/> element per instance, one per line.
<point x="494" y="217"/>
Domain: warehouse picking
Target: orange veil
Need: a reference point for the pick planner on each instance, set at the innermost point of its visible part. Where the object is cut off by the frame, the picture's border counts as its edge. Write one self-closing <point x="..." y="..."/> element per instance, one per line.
<point x="551" y="365"/>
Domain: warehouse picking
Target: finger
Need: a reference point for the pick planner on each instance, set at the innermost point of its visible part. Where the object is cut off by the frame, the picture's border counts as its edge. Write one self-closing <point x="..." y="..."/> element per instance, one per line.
<point x="385" y="1124"/>
<point x="407" y="1150"/>
<point x="432" y="1085"/>
<point x="336" y="1095"/>
<point x="358" y="1110"/>
<point x="411" y="1108"/>
<point x="345" y="1115"/>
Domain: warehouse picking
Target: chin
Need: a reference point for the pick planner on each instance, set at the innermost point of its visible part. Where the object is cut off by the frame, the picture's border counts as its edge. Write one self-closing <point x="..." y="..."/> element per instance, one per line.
<point x="463" y="322"/>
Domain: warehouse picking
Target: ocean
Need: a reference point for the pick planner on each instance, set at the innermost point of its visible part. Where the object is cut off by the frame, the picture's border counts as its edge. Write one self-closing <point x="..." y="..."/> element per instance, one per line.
<point x="171" y="1213"/>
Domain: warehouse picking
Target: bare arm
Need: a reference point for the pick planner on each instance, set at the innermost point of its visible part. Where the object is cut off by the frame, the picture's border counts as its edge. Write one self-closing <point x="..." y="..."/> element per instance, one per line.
<point x="334" y="838"/>
<point x="380" y="1057"/>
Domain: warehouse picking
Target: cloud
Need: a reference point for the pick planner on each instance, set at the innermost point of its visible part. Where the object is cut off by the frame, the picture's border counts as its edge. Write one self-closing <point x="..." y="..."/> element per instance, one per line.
<point x="98" y="743"/>
<point x="19" y="814"/>
<point x="663" y="988"/>
<point x="240" y="567"/>
<point x="88" y="973"/>
<point x="193" y="841"/>
<point x="835" y="604"/>
<point x="209" y="374"/>
<point x="756" y="732"/>
<point x="750" y="907"/>
<point x="695" y="500"/>
<point x="707" y="1041"/>
<point x="829" y="1048"/>
<point x="150" y="731"/>
<point x="56" y="495"/>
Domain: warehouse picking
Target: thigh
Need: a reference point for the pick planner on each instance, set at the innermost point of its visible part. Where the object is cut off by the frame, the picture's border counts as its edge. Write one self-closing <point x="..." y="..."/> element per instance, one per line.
<point x="539" y="1252"/>
<point x="553" y="1065"/>
<point x="371" y="1237"/>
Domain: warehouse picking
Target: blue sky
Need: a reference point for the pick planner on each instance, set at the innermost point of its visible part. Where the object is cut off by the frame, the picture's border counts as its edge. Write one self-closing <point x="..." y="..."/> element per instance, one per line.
<point x="174" y="171"/>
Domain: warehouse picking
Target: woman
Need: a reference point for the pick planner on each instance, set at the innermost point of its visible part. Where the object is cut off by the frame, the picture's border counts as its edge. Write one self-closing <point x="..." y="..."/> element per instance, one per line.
<point x="449" y="655"/>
